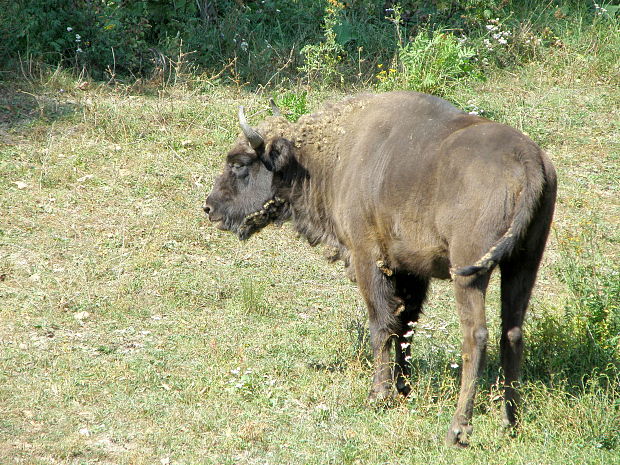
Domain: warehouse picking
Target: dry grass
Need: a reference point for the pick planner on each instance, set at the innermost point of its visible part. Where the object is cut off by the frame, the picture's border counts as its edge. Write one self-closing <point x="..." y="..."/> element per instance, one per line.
<point x="133" y="333"/>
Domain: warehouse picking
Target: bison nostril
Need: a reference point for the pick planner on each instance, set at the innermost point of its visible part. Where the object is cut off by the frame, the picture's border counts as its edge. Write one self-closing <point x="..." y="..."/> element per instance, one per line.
<point x="207" y="208"/>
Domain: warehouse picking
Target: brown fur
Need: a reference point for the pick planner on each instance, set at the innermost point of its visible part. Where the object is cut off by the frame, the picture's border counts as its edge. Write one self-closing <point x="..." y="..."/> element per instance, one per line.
<point x="405" y="187"/>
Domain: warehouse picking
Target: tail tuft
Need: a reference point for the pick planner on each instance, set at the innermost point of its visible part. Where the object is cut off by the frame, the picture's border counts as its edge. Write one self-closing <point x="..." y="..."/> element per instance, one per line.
<point x="501" y="249"/>
<point x="475" y="269"/>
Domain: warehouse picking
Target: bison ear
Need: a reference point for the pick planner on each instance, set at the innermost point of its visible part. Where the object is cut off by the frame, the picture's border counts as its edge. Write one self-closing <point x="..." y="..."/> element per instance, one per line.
<point x="278" y="154"/>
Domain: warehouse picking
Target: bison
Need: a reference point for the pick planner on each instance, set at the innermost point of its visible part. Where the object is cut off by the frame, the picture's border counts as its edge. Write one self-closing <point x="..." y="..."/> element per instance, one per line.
<point x="405" y="187"/>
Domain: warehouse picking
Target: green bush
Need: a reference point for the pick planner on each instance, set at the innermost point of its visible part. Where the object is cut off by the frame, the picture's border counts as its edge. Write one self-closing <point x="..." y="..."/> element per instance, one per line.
<point x="429" y="63"/>
<point x="97" y="36"/>
<point x="324" y="42"/>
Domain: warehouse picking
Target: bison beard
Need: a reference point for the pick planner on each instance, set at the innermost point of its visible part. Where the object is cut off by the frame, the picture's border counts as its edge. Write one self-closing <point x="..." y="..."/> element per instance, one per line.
<point x="404" y="187"/>
<point x="271" y="212"/>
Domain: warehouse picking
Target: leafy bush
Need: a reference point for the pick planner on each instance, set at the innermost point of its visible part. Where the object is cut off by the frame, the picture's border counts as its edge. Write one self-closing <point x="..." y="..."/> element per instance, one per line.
<point x="99" y="36"/>
<point x="323" y="42"/>
<point x="429" y="63"/>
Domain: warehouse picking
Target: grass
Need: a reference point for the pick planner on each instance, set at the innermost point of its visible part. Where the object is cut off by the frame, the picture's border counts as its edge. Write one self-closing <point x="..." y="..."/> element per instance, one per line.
<point x="131" y="332"/>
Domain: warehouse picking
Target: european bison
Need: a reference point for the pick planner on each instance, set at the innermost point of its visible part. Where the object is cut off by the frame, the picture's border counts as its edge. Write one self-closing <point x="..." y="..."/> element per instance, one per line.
<point x="405" y="187"/>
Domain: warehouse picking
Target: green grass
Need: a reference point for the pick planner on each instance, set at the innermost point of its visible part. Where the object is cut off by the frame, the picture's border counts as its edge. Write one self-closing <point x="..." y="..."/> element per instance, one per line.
<point x="131" y="332"/>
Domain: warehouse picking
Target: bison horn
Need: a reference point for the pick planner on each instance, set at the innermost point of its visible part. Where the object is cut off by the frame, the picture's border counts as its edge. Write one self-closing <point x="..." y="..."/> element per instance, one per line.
<point x="274" y="108"/>
<point x="253" y="137"/>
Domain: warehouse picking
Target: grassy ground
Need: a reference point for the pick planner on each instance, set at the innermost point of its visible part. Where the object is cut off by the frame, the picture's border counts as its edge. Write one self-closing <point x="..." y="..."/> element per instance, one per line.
<point x="133" y="333"/>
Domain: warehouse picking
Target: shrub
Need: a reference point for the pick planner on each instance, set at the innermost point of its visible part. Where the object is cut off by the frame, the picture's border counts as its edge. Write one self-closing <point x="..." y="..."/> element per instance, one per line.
<point x="429" y="63"/>
<point x="325" y="42"/>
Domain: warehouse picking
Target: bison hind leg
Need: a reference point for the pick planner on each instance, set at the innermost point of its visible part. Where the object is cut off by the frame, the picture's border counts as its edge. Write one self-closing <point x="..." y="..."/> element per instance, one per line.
<point x="470" y="295"/>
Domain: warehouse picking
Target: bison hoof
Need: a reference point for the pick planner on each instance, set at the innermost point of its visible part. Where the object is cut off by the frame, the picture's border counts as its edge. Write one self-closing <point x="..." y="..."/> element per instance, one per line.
<point x="510" y="427"/>
<point x="458" y="435"/>
<point x="509" y="420"/>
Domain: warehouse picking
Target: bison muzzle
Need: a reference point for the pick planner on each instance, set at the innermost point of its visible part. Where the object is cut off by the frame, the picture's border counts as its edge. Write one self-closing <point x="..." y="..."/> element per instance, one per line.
<point x="405" y="187"/>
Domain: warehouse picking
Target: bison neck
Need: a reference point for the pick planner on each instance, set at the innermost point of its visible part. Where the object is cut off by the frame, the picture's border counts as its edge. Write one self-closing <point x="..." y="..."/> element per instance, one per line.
<point x="310" y="211"/>
<point x="309" y="195"/>
<point x="318" y="140"/>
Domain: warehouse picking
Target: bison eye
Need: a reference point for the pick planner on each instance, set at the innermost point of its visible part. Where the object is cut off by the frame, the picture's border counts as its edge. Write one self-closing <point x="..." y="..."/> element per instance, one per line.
<point x="239" y="170"/>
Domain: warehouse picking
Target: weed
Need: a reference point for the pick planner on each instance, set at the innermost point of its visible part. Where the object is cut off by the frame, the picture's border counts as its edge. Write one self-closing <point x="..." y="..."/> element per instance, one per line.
<point x="594" y="283"/>
<point x="252" y="297"/>
<point x="322" y="61"/>
<point x="293" y="104"/>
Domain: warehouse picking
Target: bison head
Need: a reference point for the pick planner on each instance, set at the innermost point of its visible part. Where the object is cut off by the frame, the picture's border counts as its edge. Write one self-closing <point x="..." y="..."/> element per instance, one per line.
<point x="248" y="195"/>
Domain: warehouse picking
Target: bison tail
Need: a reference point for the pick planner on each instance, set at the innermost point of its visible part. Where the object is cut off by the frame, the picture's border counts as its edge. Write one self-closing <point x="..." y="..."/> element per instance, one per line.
<point x="502" y="248"/>
<point x="525" y="209"/>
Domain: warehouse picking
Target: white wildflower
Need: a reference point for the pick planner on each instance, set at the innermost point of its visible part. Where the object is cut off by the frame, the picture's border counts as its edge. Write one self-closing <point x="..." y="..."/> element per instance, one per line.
<point x="81" y="316"/>
<point x="69" y="29"/>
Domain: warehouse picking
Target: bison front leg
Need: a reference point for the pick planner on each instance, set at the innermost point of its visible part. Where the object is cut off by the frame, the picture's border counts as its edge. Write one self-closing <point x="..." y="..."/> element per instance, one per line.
<point x="412" y="290"/>
<point x="378" y="291"/>
<point x="470" y="294"/>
